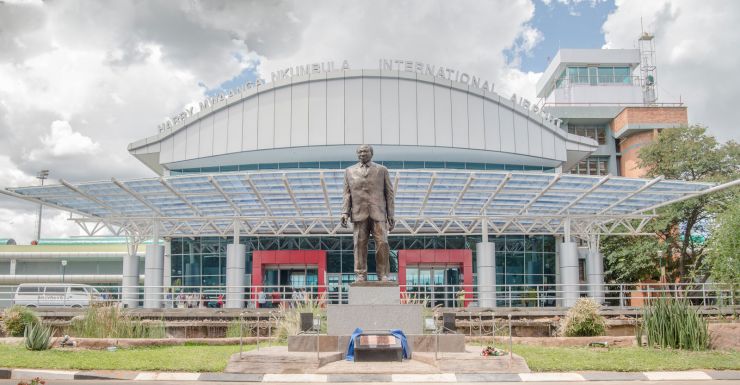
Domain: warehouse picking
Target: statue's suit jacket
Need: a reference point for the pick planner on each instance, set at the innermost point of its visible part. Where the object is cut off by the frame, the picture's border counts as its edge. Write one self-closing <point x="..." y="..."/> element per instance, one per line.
<point x="368" y="196"/>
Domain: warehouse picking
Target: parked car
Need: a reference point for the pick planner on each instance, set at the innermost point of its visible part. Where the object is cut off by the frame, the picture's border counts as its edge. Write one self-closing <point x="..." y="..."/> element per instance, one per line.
<point x="55" y="294"/>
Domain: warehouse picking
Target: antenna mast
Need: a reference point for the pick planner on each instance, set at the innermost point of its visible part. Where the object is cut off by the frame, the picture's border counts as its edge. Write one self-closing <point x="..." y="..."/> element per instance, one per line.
<point x="648" y="71"/>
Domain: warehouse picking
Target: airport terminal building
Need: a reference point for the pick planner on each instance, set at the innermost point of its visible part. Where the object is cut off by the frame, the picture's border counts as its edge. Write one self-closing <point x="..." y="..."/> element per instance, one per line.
<point x="494" y="194"/>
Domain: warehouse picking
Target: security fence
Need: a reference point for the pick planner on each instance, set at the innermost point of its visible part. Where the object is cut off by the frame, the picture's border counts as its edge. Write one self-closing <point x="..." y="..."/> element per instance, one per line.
<point x="448" y="296"/>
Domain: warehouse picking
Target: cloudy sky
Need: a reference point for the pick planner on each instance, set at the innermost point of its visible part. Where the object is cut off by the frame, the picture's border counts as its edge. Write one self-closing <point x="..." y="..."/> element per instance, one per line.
<point x="79" y="80"/>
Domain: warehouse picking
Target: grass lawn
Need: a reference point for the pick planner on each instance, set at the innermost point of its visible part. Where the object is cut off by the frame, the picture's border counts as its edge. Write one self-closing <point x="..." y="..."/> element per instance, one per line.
<point x="164" y="358"/>
<point x="214" y="358"/>
<point x="632" y="359"/>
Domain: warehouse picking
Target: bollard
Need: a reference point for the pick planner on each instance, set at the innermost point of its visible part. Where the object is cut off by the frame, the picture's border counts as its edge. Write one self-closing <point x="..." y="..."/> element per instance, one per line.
<point x="241" y="334"/>
<point x="511" y="342"/>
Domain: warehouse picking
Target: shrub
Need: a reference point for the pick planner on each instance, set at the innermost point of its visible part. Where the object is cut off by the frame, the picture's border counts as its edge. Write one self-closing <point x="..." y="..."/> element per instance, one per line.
<point x="37" y="337"/>
<point x="289" y="319"/>
<point x="16" y="319"/>
<point x="110" y="322"/>
<point x="672" y="323"/>
<point x="583" y="320"/>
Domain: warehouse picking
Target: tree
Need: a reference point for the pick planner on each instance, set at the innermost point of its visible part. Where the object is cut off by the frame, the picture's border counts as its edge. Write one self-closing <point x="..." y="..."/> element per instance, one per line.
<point x="688" y="153"/>
<point x="630" y="259"/>
<point x="723" y="260"/>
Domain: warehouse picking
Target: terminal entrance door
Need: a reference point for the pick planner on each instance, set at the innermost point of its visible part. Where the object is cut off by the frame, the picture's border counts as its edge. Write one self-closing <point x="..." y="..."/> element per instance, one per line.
<point x="276" y="274"/>
<point x="437" y="275"/>
<point x="437" y="284"/>
<point x="284" y="281"/>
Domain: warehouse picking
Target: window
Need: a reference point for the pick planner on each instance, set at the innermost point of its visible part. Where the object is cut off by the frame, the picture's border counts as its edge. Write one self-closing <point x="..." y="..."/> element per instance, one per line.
<point x="596" y="165"/>
<point x="29" y="289"/>
<point x="597" y="133"/>
<point x="595" y="76"/>
<point x="606" y="74"/>
<point x="560" y="80"/>
<point x="622" y="75"/>
<point x="78" y="290"/>
<point x="55" y="289"/>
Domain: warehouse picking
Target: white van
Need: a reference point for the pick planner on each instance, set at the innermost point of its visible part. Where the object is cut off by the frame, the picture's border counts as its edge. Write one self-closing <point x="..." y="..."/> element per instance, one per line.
<point x="55" y="294"/>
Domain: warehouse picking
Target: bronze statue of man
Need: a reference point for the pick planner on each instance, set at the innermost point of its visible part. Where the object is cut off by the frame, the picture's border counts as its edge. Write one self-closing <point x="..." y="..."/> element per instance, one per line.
<point x="368" y="203"/>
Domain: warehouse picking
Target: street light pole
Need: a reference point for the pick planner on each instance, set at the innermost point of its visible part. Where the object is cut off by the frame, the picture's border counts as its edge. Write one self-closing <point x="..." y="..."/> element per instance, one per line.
<point x="42" y="175"/>
<point x="64" y="268"/>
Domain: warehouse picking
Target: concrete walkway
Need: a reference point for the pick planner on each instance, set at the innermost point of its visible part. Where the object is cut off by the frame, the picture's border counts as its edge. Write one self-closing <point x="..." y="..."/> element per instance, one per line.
<point x="666" y="377"/>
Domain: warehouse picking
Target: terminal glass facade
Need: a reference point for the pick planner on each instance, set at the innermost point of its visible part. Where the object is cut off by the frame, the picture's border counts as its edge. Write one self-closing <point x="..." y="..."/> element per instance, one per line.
<point x="527" y="262"/>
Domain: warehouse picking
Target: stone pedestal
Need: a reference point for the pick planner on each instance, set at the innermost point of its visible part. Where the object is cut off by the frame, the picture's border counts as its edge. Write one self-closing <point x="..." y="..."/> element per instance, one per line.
<point x="342" y="320"/>
<point x="374" y="306"/>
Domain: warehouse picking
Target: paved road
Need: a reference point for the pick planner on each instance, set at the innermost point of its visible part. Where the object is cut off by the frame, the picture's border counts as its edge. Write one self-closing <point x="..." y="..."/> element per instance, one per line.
<point x="123" y="382"/>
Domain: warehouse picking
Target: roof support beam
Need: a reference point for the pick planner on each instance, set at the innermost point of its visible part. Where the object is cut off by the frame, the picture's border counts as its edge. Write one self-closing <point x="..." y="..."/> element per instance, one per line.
<point x="540" y="194"/>
<point x="465" y="188"/>
<point x="42" y="202"/>
<point x="495" y="192"/>
<point x="257" y="194"/>
<point x="429" y="192"/>
<point x="185" y="200"/>
<point x="694" y="195"/>
<point x="292" y="195"/>
<point x="89" y="197"/>
<point x="327" y="201"/>
<point x="136" y="195"/>
<point x="226" y="197"/>
<point x="585" y="194"/>
<point x="630" y="195"/>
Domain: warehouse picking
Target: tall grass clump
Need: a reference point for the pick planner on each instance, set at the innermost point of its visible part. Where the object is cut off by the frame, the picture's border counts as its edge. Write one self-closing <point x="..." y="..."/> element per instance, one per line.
<point x="672" y="323"/>
<point x="110" y="322"/>
<point x="16" y="318"/>
<point x="583" y="320"/>
<point x="37" y="337"/>
<point x="288" y="318"/>
<point x="238" y="329"/>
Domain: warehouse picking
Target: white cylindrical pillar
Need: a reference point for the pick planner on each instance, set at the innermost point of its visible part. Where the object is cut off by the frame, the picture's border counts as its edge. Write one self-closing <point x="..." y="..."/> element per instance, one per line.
<point x="167" y="274"/>
<point x="486" y="266"/>
<point x="153" y="277"/>
<point x="13" y="266"/>
<point x="595" y="274"/>
<point x="568" y="273"/>
<point x="130" y="280"/>
<point x="235" y="266"/>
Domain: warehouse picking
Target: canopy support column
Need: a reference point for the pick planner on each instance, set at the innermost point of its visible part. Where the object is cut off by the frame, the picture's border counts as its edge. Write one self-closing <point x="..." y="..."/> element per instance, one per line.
<point x="568" y="268"/>
<point x="235" y="266"/>
<point x="153" y="267"/>
<point x="486" y="265"/>
<point x="130" y="280"/>
<point x="595" y="270"/>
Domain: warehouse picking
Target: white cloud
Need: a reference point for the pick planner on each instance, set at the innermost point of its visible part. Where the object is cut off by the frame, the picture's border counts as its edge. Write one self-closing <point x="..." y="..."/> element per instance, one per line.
<point x="22" y="226"/>
<point x="80" y="80"/>
<point x="697" y="55"/>
<point x="10" y="175"/>
<point x="63" y="141"/>
<point x="465" y="35"/>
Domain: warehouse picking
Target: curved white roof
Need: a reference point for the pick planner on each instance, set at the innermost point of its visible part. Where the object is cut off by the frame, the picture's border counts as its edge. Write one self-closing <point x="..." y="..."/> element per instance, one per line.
<point x="325" y="116"/>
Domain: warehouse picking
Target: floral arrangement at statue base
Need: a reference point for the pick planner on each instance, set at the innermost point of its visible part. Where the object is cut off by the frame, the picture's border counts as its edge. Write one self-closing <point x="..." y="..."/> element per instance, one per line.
<point x="492" y="352"/>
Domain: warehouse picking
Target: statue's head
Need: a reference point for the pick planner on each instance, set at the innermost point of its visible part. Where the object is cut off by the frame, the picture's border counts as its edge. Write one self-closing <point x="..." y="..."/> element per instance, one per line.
<point x="365" y="153"/>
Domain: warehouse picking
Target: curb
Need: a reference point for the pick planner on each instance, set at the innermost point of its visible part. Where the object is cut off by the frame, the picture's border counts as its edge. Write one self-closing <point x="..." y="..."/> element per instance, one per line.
<point x="396" y="378"/>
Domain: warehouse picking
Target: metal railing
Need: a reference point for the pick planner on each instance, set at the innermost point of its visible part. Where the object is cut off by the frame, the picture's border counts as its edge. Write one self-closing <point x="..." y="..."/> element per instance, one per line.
<point x="449" y="296"/>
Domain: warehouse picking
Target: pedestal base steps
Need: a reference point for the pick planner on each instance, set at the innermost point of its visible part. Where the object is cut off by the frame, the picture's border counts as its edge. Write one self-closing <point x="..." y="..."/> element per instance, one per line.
<point x="278" y="360"/>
